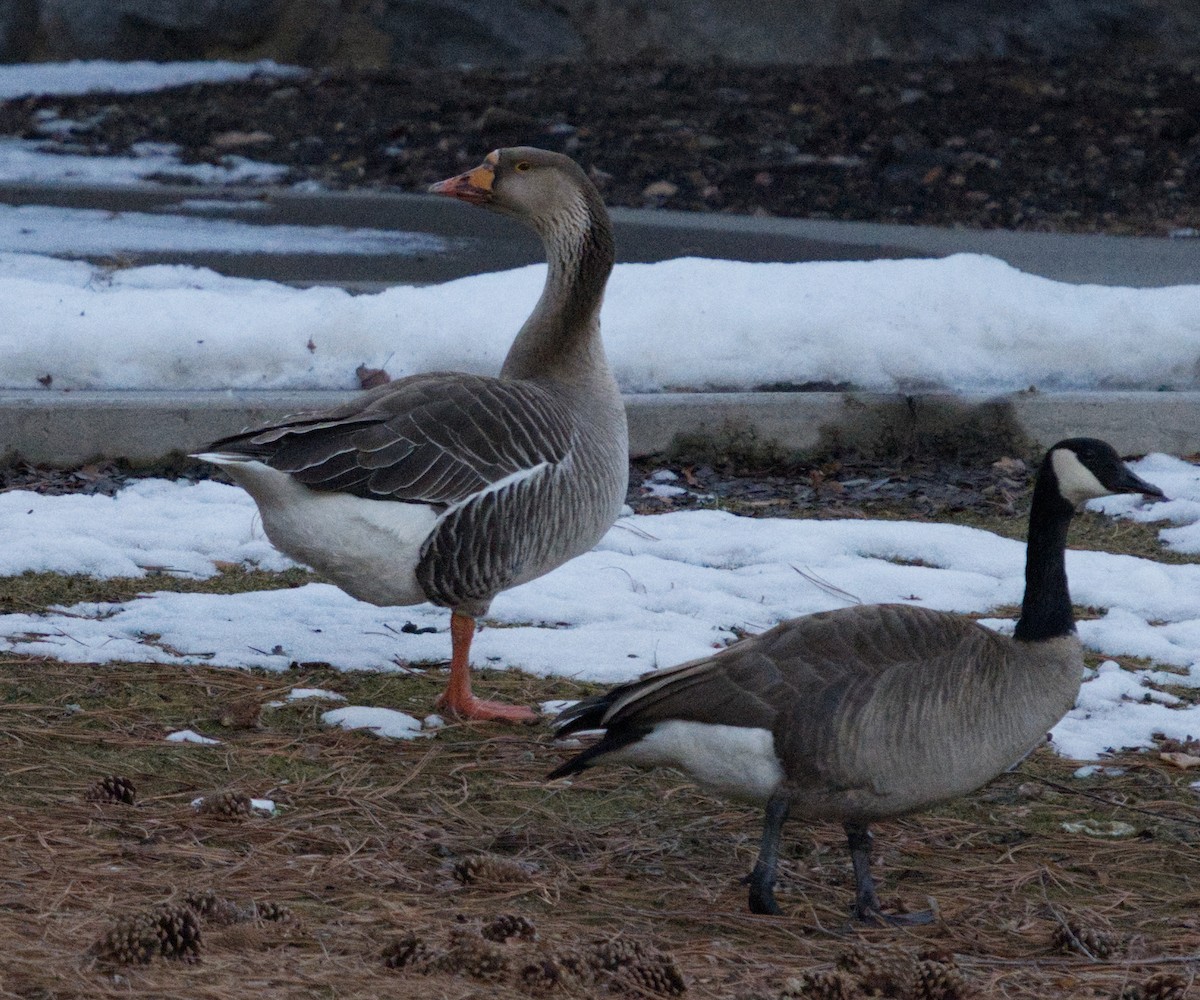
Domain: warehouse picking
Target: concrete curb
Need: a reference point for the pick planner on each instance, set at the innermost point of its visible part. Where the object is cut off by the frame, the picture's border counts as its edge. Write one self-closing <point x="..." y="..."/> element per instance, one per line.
<point x="69" y="428"/>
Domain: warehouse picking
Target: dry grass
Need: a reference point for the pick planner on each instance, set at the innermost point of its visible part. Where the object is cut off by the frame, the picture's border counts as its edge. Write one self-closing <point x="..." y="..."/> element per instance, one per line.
<point x="371" y="834"/>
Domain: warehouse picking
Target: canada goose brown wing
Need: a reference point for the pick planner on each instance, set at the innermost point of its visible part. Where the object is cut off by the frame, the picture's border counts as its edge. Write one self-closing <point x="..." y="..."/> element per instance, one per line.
<point x="810" y="666"/>
<point x="437" y="438"/>
<point x="738" y="687"/>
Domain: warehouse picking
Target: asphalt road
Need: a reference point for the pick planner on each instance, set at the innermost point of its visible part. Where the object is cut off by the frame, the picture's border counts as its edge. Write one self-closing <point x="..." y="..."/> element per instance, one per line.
<point x="477" y="241"/>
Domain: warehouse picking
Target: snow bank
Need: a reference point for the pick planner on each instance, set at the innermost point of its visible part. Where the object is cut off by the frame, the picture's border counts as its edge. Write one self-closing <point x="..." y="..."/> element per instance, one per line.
<point x="967" y="322"/>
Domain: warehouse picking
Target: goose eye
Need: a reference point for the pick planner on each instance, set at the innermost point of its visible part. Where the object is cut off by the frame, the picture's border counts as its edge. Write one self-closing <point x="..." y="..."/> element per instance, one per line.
<point x="522" y="166"/>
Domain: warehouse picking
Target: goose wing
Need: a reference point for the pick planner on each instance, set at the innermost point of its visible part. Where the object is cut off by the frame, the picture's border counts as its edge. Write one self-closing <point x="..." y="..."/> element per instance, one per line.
<point x="805" y="680"/>
<point x="438" y="438"/>
<point x="800" y="662"/>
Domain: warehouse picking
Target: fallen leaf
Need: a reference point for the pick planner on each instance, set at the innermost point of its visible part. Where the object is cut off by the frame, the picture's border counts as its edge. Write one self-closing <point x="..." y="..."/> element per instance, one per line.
<point x="235" y="140"/>
<point x="369" y="378"/>
<point x="660" y="189"/>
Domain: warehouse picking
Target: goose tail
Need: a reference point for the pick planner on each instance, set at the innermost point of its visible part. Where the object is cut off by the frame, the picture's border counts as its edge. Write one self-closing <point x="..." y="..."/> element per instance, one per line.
<point x="589" y="715"/>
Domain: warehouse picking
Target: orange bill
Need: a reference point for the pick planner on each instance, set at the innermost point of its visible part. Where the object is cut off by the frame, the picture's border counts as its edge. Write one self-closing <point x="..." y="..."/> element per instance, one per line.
<point x="475" y="186"/>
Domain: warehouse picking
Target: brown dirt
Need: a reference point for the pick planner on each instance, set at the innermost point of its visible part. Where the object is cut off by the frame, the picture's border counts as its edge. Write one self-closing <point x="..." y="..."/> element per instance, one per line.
<point x="1081" y="146"/>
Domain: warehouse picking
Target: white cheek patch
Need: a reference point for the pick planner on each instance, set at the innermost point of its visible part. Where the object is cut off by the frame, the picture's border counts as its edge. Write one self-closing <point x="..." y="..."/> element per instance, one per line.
<point x="735" y="761"/>
<point x="1076" y="482"/>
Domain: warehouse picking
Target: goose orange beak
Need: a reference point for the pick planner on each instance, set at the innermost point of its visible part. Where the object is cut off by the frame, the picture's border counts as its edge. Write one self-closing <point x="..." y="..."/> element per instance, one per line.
<point x="474" y="187"/>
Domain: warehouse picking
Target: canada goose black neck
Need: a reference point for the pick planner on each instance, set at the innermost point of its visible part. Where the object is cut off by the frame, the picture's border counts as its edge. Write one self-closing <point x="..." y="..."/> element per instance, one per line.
<point x="565" y="323"/>
<point x="1046" y="609"/>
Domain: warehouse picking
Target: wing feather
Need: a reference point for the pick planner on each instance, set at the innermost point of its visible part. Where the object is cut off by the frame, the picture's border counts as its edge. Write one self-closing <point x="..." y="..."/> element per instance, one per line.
<point x="438" y="438"/>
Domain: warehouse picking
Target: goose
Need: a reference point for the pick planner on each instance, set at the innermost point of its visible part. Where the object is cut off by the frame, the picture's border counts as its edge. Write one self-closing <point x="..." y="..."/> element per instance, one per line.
<point x="450" y="487"/>
<point x="872" y="711"/>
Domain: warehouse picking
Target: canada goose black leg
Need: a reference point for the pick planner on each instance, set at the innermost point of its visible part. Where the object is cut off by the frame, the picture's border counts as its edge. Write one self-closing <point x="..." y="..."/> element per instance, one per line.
<point x="866" y="902"/>
<point x="762" y="879"/>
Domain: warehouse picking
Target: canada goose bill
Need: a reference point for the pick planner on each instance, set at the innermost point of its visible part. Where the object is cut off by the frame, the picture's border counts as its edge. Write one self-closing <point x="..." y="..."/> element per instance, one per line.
<point x="449" y="487"/>
<point x="868" y="712"/>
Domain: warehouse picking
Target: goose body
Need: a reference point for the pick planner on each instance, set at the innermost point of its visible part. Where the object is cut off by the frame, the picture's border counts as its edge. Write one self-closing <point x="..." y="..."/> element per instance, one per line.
<point x="449" y="487"/>
<point x="859" y="713"/>
<point x="871" y="711"/>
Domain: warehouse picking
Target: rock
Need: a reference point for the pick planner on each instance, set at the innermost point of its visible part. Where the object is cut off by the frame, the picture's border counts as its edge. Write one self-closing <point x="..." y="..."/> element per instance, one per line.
<point x="154" y="29"/>
<point x="18" y="27"/>
<point x="442" y="33"/>
<point x="477" y="32"/>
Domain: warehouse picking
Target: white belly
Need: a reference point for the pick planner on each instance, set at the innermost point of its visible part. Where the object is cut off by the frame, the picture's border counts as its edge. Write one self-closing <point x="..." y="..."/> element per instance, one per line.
<point x="369" y="548"/>
<point x="735" y="761"/>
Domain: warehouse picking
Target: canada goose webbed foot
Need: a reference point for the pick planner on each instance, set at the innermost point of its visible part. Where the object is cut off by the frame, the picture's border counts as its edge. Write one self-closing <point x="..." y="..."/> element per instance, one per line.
<point x="867" y="907"/>
<point x="762" y="899"/>
<point x="877" y="918"/>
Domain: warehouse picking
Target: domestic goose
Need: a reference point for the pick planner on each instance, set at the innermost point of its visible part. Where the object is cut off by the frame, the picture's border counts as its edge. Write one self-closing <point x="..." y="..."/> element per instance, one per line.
<point x="449" y="487"/>
<point x="871" y="711"/>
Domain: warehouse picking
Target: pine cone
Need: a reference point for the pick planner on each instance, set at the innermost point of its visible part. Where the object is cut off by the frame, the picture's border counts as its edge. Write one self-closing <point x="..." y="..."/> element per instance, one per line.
<point x="1084" y="940"/>
<point x="1164" y="986"/>
<point x="112" y="789"/>
<point x="409" y="952"/>
<point x="170" y="931"/>
<point x="178" y="930"/>
<point x="821" y="986"/>
<point x="489" y="869"/>
<point x="612" y="954"/>
<point x="886" y="969"/>
<point x="509" y="925"/>
<point x="471" y="955"/>
<point x="658" y="974"/>
<point x="276" y="912"/>
<point x="203" y="901"/>
<point x="214" y="909"/>
<point x="226" y="805"/>
<point x="938" y="981"/>
<point x="132" y="940"/>
<point x="565" y="970"/>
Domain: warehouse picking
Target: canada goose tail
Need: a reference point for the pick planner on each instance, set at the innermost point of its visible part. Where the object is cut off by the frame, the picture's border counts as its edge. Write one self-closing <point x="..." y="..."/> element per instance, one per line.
<point x="583" y="715"/>
<point x="589" y="715"/>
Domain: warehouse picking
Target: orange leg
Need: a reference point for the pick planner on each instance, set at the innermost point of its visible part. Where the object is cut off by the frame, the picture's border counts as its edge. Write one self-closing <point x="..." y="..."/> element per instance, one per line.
<point x="457" y="699"/>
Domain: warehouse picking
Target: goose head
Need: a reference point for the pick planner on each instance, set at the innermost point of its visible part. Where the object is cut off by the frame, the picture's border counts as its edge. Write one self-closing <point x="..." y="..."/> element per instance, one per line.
<point x="536" y="185"/>
<point x="1087" y="468"/>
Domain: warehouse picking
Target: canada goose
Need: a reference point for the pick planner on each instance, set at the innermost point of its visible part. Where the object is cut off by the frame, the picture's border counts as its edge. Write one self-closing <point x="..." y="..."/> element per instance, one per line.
<point x="873" y="711"/>
<point x="448" y="487"/>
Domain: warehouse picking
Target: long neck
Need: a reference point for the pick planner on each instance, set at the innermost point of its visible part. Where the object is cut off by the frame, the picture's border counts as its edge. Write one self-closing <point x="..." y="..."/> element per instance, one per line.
<point x="561" y="338"/>
<point x="1046" y="609"/>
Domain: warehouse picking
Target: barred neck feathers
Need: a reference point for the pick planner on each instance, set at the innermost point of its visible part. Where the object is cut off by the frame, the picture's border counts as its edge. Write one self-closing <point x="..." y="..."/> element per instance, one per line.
<point x="560" y="340"/>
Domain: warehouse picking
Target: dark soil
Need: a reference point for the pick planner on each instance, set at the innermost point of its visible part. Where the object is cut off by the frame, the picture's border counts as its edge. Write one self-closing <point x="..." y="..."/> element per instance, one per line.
<point x="1074" y="146"/>
<point x="849" y="487"/>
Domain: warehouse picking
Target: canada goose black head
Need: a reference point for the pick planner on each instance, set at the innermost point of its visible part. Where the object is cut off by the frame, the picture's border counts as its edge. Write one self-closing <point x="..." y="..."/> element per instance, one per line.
<point x="1087" y="468"/>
